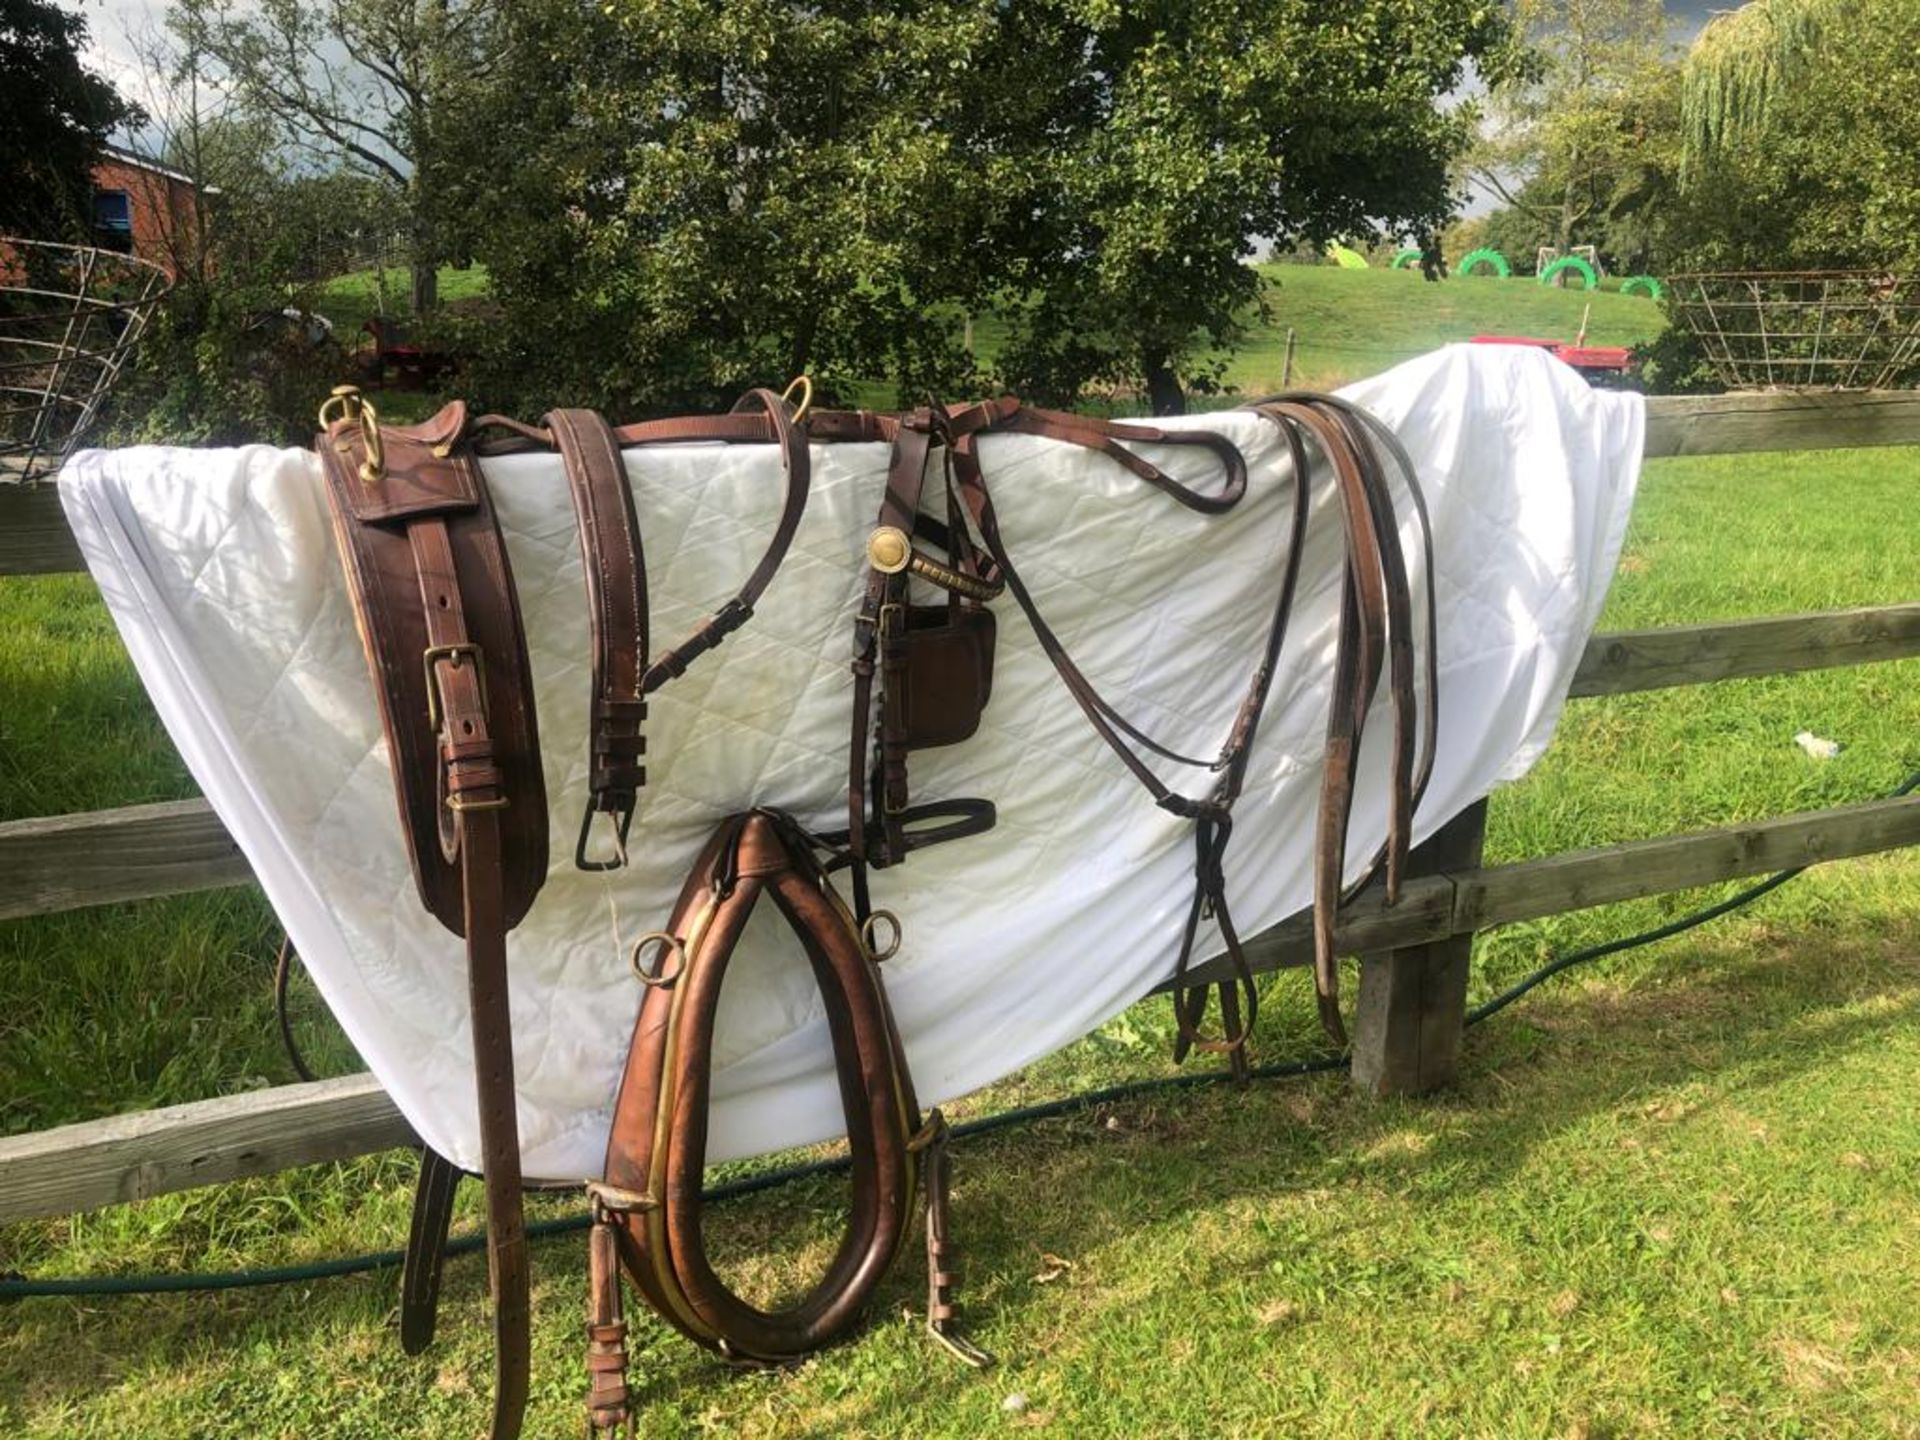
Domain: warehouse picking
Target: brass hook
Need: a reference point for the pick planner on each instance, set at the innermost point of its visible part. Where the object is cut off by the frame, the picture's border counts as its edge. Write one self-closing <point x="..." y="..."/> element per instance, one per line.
<point x="804" y="384"/>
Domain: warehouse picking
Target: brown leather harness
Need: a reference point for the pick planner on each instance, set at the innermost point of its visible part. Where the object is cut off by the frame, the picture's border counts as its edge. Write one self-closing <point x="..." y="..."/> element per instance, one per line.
<point x="439" y="618"/>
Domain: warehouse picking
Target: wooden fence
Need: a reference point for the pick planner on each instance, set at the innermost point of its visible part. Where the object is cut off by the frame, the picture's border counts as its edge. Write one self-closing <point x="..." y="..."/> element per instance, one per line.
<point x="1411" y="1004"/>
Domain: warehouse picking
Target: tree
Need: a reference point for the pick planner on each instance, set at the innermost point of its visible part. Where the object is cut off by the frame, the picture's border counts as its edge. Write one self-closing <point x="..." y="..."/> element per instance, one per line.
<point x="1798" y="152"/>
<point x="365" y="82"/>
<point x="53" y="121"/>
<point x="1568" y="129"/>
<point x="1165" y="139"/>
<point x="685" y="197"/>
<point x="1742" y="66"/>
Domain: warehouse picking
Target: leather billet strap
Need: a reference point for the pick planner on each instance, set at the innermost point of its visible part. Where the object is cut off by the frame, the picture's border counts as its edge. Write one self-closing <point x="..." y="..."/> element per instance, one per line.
<point x="436" y="609"/>
<point x="614" y="563"/>
<point x="1377" y="635"/>
<point x="656" y="1152"/>
<point x="625" y="671"/>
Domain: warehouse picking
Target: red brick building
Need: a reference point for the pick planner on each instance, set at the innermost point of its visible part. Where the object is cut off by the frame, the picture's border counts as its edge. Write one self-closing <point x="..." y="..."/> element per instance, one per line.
<point x="145" y="209"/>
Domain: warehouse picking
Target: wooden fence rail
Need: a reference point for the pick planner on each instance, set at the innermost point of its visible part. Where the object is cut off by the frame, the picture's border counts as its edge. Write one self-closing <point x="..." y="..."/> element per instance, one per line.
<point x="1413" y="974"/>
<point x="128" y="1157"/>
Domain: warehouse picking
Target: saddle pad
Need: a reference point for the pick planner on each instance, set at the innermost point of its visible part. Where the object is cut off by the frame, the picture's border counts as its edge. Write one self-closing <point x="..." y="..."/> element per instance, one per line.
<point x="219" y="567"/>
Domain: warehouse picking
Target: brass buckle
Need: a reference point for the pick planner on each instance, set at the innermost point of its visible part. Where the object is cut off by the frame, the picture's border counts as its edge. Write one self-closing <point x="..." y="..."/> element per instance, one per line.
<point x="892" y="620"/>
<point x="453" y="654"/>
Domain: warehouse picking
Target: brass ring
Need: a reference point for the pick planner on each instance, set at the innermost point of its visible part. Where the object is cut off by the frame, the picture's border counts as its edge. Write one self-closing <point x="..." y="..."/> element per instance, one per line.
<point x="866" y="936"/>
<point x="889" y="550"/>
<point x="804" y="384"/>
<point x="671" y="945"/>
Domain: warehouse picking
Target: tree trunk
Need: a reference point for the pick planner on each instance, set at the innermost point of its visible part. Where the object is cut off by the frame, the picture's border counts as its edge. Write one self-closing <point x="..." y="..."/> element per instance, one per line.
<point x="425" y="286"/>
<point x="1163" y="387"/>
<point x="1566" y="204"/>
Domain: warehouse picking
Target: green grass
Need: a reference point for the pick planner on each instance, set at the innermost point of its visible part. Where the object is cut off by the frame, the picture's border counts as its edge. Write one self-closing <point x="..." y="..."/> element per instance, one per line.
<point x="349" y="300"/>
<point x="1354" y="323"/>
<point x="1672" y="1195"/>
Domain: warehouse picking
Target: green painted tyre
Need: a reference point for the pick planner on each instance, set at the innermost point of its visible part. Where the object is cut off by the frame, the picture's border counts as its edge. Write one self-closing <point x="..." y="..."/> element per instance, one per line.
<point x="1643" y="285"/>
<point x="1571" y="262"/>
<point x="1409" y="256"/>
<point x="1492" y="258"/>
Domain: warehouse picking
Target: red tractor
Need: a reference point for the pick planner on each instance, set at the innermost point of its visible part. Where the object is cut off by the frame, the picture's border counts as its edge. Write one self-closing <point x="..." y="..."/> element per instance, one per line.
<point x="1608" y="365"/>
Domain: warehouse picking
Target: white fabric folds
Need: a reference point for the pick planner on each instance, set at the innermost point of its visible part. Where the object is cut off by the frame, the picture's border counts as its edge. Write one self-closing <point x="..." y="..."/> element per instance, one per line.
<point x="219" y="568"/>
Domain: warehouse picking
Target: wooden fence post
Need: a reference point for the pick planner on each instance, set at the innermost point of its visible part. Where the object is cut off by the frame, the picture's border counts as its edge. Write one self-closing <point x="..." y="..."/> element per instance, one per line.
<point x="1412" y="1007"/>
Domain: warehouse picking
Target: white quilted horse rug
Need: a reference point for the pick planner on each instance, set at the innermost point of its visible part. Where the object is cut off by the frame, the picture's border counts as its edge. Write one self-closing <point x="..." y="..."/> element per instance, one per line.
<point x="220" y="570"/>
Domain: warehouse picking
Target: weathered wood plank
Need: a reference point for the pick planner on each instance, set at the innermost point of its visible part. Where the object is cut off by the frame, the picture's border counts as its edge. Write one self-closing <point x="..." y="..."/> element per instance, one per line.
<point x="1424" y="912"/>
<point x="64" y="862"/>
<point x="79" y="1167"/>
<point x="1580" y="879"/>
<point x="1780" y="420"/>
<point x="130" y="1157"/>
<point x="1623" y="661"/>
<point x="1411" y="1011"/>
<point x="1460" y="902"/>
<point x="34" y="538"/>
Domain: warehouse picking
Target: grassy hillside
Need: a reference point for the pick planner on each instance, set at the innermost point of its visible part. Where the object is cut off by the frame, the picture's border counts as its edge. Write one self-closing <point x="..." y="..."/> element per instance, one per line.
<point x="1353" y="323"/>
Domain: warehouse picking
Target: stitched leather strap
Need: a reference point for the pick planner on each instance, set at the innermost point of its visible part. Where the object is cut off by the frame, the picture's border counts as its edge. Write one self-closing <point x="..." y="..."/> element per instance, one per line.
<point x="777" y="420"/>
<point x="1376" y="632"/>
<point x="657" y="1147"/>
<point x="428" y="574"/>
<point x="613" y="561"/>
<point x="433" y="1194"/>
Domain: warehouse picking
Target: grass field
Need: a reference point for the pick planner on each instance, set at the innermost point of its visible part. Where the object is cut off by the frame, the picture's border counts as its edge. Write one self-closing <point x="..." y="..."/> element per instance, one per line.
<point x="1674" y="1194"/>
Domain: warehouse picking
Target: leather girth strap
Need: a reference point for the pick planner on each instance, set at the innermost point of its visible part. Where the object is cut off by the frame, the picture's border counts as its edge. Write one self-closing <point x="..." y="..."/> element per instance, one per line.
<point x="656" y="1153"/>
<point x="435" y="605"/>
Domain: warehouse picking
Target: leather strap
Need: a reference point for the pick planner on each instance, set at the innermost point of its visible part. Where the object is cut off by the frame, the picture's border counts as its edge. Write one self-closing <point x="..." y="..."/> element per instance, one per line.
<point x="1211" y="814"/>
<point x="794" y="459"/>
<point x="437" y="615"/>
<point x="433" y="1195"/>
<point x="614" y="563"/>
<point x="609" y="1405"/>
<point x="1376" y="632"/>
